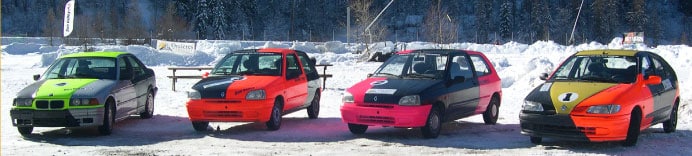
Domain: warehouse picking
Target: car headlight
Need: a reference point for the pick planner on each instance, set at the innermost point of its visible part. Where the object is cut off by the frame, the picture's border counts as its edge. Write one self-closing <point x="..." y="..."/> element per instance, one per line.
<point x="347" y="97"/>
<point x="532" y="106"/>
<point x="23" y="102"/>
<point x="411" y="100"/>
<point x="256" y="95"/>
<point x="83" y="101"/>
<point x="604" y="109"/>
<point x="193" y="94"/>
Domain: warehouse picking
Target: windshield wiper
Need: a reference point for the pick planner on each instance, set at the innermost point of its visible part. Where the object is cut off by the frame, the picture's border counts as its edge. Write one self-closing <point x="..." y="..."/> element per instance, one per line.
<point x="388" y="74"/>
<point x="416" y="75"/>
<point x="598" y="79"/>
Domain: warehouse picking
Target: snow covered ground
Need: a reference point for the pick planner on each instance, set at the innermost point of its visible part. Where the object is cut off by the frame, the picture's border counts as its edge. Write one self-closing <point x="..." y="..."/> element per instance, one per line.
<point x="170" y="132"/>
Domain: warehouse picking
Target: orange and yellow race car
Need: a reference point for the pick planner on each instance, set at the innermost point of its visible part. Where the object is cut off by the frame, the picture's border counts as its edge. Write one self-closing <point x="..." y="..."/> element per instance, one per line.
<point x="603" y="95"/>
<point x="256" y="85"/>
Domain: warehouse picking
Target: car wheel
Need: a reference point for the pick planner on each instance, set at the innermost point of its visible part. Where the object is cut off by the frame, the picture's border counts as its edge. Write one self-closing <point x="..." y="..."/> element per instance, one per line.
<point x="274" y="122"/>
<point x="314" y="108"/>
<point x="433" y="124"/>
<point x="357" y="128"/>
<point x="633" y="129"/>
<point x="536" y="140"/>
<point x="200" y="125"/>
<point x="670" y="125"/>
<point x="492" y="112"/>
<point x="148" y="107"/>
<point x="25" y="131"/>
<point x="108" y="118"/>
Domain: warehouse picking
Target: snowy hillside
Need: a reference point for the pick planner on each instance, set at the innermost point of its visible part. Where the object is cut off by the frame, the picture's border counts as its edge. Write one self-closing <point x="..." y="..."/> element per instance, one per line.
<point x="170" y="132"/>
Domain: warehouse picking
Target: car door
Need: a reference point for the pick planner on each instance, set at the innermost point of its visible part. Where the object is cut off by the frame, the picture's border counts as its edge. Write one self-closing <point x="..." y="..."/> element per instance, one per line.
<point x="312" y="76"/>
<point x="462" y="88"/>
<point x="124" y="92"/>
<point x="296" y="83"/>
<point x="486" y="81"/>
<point x="666" y="91"/>
<point x="141" y="80"/>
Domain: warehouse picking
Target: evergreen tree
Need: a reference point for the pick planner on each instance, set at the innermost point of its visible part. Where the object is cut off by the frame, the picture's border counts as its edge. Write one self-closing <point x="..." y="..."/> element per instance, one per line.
<point x="506" y="19"/>
<point x="203" y="19"/>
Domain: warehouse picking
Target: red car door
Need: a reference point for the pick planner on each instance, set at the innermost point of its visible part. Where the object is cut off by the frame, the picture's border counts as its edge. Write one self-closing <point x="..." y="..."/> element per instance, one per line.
<point x="488" y="80"/>
<point x="296" y="83"/>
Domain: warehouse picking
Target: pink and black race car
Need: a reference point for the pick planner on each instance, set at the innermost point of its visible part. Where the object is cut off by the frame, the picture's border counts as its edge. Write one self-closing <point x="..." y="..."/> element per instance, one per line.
<point x="424" y="88"/>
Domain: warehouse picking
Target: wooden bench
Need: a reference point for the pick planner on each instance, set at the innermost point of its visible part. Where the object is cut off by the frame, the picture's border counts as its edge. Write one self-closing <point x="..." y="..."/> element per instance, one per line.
<point x="175" y="78"/>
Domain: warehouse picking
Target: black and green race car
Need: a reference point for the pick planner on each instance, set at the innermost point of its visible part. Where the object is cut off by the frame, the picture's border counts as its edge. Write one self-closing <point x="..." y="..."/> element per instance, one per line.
<point x="86" y="89"/>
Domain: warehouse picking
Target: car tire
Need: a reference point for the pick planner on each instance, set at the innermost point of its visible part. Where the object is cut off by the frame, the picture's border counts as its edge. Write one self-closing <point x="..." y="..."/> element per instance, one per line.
<point x="200" y="125"/>
<point x="633" y="129"/>
<point x="357" y="128"/>
<point x="25" y="131"/>
<point x="670" y="124"/>
<point x="274" y="122"/>
<point x="108" y="118"/>
<point x="433" y="124"/>
<point x="492" y="112"/>
<point x="148" y="107"/>
<point x="536" y="140"/>
<point x="314" y="108"/>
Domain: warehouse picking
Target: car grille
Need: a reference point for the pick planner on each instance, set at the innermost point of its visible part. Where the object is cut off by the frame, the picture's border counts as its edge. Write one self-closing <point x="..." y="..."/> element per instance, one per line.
<point x="224" y="114"/>
<point x="53" y="104"/>
<point x="553" y="129"/>
<point x="376" y="119"/>
<point x="377" y="105"/>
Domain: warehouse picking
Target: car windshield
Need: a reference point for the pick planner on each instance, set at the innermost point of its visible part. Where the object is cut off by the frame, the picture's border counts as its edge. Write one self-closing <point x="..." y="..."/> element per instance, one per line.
<point x="252" y="63"/>
<point x="82" y="67"/>
<point x="415" y="65"/>
<point x="610" y="69"/>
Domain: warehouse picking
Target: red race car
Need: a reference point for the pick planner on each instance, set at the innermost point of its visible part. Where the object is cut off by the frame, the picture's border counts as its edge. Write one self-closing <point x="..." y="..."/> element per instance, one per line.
<point x="259" y="85"/>
<point x="603" y="95"/>
<point x="424" y="88"/>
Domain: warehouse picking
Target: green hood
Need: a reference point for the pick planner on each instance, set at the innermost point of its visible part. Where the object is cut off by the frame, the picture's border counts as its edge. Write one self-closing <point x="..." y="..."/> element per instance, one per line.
<point x="61" y="88"/>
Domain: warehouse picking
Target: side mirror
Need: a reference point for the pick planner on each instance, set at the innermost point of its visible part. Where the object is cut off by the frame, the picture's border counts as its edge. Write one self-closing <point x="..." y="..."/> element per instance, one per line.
<point x="543" y="76"/>
<point x="653" y="80"/>
<point x="205" y="75"/>
<point x="370" y="74"/>
<point x="36" y="77"/>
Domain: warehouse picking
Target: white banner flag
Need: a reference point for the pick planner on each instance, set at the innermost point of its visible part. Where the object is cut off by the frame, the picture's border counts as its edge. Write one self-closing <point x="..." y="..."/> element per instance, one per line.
<point x="69" y="18"/>
<point x="176" y="47"/>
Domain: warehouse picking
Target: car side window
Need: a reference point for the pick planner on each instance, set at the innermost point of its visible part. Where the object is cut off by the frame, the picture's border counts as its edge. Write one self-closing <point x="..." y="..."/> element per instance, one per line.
<point x="308" y="66"/>
<point x="125" y="70"/>
<point x="646" y="67"/>
<point x="292" y="68"/>
<point x="137" y="68"/>
<point x="460" y="66"/>
<point x="480" y="65"/>
<point x="659" y="69"/>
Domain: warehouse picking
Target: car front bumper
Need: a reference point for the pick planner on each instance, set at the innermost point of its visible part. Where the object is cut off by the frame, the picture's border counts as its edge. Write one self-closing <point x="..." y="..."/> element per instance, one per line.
<point x="385" y="115"/>
<point x="579" y="128"/>
<point x="57" y="118"/>
<point x="221" y="110"/>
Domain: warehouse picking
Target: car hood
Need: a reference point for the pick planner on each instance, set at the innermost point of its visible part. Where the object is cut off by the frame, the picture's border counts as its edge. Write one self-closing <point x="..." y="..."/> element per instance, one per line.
<point x="563" y="97"/>
<point x="232" y="85"/>
<point x="67" y="88"/>
<point x="389" y="90"/>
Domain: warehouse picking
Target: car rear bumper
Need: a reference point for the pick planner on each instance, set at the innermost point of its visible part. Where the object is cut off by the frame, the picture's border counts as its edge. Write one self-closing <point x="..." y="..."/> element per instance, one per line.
<point x="229" y="110"/>
<point x="385" y="115"/>
<point x="580" y="128"/>
<point x="57" y="118"/>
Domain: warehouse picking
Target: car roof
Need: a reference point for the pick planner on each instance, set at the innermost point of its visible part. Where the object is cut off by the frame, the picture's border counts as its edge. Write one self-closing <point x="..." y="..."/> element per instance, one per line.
<point x="95" y="54"/>
<point x="437" y="51"/>
<point x="608" y="52"/>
